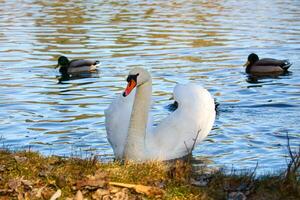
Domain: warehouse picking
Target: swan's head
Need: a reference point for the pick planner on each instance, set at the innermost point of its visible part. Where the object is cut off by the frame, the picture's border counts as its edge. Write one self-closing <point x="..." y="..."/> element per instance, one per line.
<point x="136" y="77"/>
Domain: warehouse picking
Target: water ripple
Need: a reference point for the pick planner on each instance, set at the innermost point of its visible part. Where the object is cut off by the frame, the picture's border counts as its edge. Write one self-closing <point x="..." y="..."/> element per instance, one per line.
<point x="178" y="41"/>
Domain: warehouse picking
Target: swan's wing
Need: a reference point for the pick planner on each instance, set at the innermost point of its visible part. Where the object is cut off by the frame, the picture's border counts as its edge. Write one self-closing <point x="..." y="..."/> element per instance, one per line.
<point x="175" y="135"/>
<point x="117" y="117"/>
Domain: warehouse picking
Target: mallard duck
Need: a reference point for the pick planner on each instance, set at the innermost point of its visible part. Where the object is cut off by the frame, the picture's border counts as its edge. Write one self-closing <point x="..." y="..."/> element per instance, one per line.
<point x="254" y="65"/>
<point x="76" y="66"/>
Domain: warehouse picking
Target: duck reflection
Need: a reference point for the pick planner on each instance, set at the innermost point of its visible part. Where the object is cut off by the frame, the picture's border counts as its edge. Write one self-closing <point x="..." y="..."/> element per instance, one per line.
<point x="75" y="76"/>
<point x="259" y="78"/>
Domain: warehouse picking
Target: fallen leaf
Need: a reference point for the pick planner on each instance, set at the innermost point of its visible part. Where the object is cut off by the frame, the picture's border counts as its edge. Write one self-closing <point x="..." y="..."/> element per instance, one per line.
<point x="56" y="195"/>
<point x="45" y="171"/>
<point x="2" y="168"/>
<point x="5" y="191"/>
<point x="114" y="190"/>
<point x="61" y="181"/>
<point x="90" y="184"/>
<point x="20" y="196"/>
<point x="47" y="193"/>
<point x="121" y="195"/>
<point x="100" y="193"/>
<point x="142" y="189"/>
<point x="4" y="198"/>
<point x="27" y="183"/>
<point x="20" y="159"/>
<point x="106" y="197"/>
<point x="78" y="196"/>
<point x="27" y="196"/>
<point x="14" y="184"/>
<point x="39" y="192"/>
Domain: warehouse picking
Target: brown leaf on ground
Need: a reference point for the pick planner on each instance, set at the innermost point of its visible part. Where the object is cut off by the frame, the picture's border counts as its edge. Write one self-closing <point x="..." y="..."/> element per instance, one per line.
<point x="92" y="182"/>
<point x="78" y="196"/>
<point x="38" y="192"/>
<point x="114" y="190"/>
<point x="56" y="195"/>
<point x="5" y="191"/>
<point x="180" y="171"/>
<point x="106" y="197"/>
<point x="61" y="181"/>
<point x="142" y="189"/>
<point x="2" y="168"/>
<point x="20" y="196"/>
<point x="27" y="196"/>
<point x="100" y="193"/>
<point x="27" y="184"/>
<point x="47" y="193"/>
<point x="121" y="195"/>
<point x="14" y="184"/>
<point x="46" y="170"/>
<point x="4" y="197"/>
<point x="20" y="159"/>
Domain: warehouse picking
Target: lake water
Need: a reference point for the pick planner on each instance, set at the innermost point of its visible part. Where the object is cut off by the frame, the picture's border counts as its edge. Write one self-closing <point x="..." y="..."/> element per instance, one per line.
<point x="206" y="42"/>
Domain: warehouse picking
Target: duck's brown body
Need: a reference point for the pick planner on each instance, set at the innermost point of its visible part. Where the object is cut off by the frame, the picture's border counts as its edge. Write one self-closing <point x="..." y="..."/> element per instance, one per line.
<point x="264" y="66"/>
<point x="77" y="66"/>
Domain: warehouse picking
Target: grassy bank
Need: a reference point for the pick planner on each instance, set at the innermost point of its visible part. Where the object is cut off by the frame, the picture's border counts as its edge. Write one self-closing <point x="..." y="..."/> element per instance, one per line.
<point x="28" y="175"/>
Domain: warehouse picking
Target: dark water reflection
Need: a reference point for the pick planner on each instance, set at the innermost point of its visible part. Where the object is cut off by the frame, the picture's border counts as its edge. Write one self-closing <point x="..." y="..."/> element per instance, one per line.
<point x="202" y="41"/>
<point x="67" y="77"/>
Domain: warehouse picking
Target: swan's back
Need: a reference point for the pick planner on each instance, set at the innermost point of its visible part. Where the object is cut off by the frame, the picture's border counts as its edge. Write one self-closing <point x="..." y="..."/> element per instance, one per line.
<point x="197" y="101"/>
<point x="175" y="135"/>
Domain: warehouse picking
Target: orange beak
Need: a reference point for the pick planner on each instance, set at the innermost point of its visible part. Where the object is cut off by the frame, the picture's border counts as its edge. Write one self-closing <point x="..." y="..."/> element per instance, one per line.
<point x="131" y="84"/>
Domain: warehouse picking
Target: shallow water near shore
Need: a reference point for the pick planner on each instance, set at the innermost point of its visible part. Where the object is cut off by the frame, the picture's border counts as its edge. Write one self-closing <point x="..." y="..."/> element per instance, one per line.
<point x="178" y="41"/>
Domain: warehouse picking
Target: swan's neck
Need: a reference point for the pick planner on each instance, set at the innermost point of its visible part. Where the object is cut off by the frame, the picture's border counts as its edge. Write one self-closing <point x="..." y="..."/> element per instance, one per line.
<point x="135" y="146"/>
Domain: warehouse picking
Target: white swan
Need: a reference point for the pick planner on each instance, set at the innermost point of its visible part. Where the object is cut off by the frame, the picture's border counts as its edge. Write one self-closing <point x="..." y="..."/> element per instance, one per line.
<point x="131" y="134"/>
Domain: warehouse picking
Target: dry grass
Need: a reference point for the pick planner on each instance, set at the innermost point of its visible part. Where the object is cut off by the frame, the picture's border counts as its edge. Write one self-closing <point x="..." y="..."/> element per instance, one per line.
<point x="29" y="175"/>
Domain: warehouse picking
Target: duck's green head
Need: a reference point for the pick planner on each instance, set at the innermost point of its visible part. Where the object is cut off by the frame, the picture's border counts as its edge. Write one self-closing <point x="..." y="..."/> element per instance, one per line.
<point x="63" y="61"/>
<point x="252" y="58"/>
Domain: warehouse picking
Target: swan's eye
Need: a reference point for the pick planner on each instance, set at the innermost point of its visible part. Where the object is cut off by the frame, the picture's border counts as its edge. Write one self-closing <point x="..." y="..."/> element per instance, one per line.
<point x="132" y="77"/>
